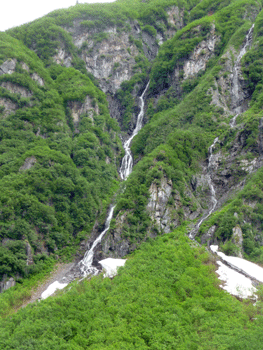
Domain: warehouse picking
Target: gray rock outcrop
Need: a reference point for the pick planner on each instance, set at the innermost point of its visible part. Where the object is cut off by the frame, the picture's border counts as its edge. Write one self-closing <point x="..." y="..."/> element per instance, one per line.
<point x="237" y="239"/>
<point x="8" y="107"/>
<point x="201" y="55"/>
<point x="29" y="163"/>
<point x="8" y="67"/>
<point x="16" y="89"/>
<point x="38" y="79"/>
<point x="63" y="58"/>
<point x="89" y="108"/>
<point x="157" y="205"/>
<point x="6" y="284"/>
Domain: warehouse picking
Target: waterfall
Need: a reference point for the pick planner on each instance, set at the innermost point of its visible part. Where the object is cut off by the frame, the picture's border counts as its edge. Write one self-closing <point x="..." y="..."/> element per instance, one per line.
<point x="236" y="91"/>
<point x="211" y="187"/>
<point x="233" y="121"/>
<point x="85" y="265"/>
<point x="127" y="162"/>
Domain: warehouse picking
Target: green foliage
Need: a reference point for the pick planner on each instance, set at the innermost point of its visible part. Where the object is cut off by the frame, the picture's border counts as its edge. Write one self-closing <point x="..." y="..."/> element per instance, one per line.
<point x="58" y="174"/>
<point x="54" y="178"/>
<point x="150" y="30"/>
<point x="14" y="298"/>
<point x="183" y="123"/>
<point x="175" y="50"/>
<point x="245" y="210"/>
<point x="130" y="88"/>
<point x="166" y="295"/>
<point x="252" y="64"/>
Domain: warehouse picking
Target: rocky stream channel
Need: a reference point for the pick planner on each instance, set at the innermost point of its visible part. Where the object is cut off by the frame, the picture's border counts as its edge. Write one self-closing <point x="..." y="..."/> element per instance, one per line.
<point x="85" y="267"/>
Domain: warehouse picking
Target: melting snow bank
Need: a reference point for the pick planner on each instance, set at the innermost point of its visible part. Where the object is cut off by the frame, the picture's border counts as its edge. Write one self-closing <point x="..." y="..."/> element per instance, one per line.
<point x="235" y="283"/>
<point x="244" y="266"/>
<point x="111" y="266"/>
<point x="52" y="288"/>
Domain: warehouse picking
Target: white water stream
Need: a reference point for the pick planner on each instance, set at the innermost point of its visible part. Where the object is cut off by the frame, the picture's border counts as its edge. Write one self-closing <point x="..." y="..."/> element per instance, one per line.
<point x="85" y="264"/>
<point x="232" y="123"/>
<point x="127" y="161"/>
<point x="212" y="190"/>
<point x="236" y="91"/>
<point x="109" y="265"/>
<point x="236" y="102"/>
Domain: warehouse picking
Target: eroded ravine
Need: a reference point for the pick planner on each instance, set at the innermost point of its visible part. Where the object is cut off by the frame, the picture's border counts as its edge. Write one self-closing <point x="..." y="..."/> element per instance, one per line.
<point x="85" y="264"/>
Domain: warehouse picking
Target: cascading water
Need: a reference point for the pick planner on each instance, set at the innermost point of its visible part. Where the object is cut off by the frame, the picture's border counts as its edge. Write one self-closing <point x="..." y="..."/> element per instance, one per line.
<point x="237" y="98"/>
<point x="85" y="265"/>
<point x="212" y="190"/>
<point x="237" y="95"/>
<point x="232" y="123"/>
<point x="127" y="162"/>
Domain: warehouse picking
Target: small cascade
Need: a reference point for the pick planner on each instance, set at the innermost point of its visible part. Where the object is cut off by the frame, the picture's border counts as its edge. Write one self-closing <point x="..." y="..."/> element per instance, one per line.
<point x="232" y="123"/>
<point x="212" y="190"/>
<point x="237" y="92"/>
<point x="85" y="265"/>
<point x="127" y="161"/>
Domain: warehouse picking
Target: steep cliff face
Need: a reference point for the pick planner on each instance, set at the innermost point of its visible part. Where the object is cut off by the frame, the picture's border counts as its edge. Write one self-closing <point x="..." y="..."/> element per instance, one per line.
<point x="110" y="53"/>
<point x="200" y="56"/>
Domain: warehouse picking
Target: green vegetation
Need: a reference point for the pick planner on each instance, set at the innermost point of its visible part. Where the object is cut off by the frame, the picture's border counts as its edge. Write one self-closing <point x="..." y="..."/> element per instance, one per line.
<point x="59" y="156"/>
<point x="54" y="177"/>
<point x="245" y="211"/>
<point x="183" y="123"/>
<point x="167" y="295"/>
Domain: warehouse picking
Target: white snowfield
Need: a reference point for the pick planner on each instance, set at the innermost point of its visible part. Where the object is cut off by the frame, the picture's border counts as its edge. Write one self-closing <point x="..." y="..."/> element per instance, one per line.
<point x="246" y="266"/>
<point x="236" y="283"/>
<point x="111" y="266"/>
<point x="52" y="288"/>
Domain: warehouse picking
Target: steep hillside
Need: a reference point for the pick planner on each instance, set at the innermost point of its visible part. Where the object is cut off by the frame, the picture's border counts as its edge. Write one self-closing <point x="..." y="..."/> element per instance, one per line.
<point x="59" y="156"/>
<point x="202" y="87"/>
<point x="71" y="86"/>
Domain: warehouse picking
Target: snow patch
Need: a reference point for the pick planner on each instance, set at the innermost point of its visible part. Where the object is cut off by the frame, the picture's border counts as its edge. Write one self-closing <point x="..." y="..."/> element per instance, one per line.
<point x="52" y="288"/>
<point x="111" y="266"/>
<point x="214" y="248"/>
<point x="246" y="266"/>
<point x="235" y="283"/>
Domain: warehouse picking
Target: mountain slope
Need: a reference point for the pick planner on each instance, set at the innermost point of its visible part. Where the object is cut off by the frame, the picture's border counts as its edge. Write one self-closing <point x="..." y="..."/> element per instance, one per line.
<point x="58" y="155"/>
<point x="70" y="87"/>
